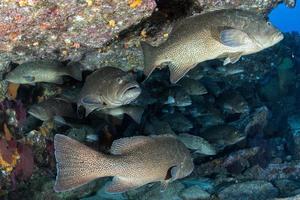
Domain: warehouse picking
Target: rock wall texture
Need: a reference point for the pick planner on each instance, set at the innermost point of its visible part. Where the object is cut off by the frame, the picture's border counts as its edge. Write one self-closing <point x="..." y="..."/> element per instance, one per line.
<point x="89" y="30"/>
<point x="65" y="28"/>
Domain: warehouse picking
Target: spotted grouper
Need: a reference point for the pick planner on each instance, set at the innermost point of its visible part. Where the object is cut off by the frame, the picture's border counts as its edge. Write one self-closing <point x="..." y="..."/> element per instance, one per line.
<point x="227" y="34"/>
<point x="132" y="162"/>
<point x="108" y="87"/>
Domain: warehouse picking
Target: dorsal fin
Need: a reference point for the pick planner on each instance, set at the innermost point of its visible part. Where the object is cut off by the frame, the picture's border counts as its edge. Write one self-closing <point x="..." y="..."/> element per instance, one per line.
<point x="125" y="145"/>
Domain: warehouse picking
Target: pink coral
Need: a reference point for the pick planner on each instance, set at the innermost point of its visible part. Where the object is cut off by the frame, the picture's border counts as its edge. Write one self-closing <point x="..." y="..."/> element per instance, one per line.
<point x="24" y="168"/>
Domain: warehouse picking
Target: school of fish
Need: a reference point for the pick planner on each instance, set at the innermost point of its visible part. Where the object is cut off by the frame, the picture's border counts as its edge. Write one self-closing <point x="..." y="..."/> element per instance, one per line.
<point x="165" y="157"/>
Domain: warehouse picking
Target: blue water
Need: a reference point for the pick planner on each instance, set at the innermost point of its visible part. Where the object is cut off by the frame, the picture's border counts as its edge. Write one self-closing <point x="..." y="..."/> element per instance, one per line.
<point x="286" y="19"/>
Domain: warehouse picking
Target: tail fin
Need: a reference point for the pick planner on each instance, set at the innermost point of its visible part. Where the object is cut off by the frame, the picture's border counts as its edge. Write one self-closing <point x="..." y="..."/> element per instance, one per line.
<point x="77" y="164"/>
<point x="149" y="58"/>
<point x="75" y="70"/>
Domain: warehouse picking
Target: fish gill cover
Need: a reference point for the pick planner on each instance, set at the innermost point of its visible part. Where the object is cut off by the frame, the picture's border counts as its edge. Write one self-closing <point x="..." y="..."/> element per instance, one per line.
<point x="145" y="99"/>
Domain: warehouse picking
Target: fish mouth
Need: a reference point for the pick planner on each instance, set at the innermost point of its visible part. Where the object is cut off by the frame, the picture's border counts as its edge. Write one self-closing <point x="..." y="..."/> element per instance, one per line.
<point x="131" y="92"/>
<point x="278" y="37"/>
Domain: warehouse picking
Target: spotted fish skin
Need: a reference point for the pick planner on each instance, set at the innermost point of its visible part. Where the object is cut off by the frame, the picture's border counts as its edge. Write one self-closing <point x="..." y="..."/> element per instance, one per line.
<point x="228" y="34"/>
<point x="133" y="162"/>
<point x="108" y="87"/>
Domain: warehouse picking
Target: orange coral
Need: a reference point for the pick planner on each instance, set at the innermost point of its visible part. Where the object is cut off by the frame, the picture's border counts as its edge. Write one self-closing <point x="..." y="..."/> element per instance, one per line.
<point x="112" y="23"/>
<point x="5" y="27"/>
<point x="12" y="90"/>
<point x="18" y="18"/>
<point x="135" y="3"/>
<point x="46" y="128"/>
<point x="9" y="166"/>
<point x="45" y="26"/>
<point x="14" y="36"/>
<point x="16" y="158"/>
<point x="23" y="3"/>
<point x="76" y="45"/>
<point x="89" y="2"/>
<point x="143" y="33"/>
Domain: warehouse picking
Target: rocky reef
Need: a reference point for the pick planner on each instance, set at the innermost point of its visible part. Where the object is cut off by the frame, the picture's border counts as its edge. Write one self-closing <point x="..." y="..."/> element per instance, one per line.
<point x="96" y="33"/>
<point x="96" y="30"/>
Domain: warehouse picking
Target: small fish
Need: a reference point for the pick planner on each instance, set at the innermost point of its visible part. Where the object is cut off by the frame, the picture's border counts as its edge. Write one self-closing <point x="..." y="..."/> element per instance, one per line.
<point x="227" y="33"/>
<point x="192" y="87"/>
<point x="222" y="135"/>
<point x="92" y="137"/>
<point x="155" y="126"/>
<point x="230" y="70"/>
<point x="258" y="122"/>
<point x="232" y="103"/>
<point x="132" y="162"/>
<point x="178" y="122"/>
<point x="197" y="143"/>
<point x="176" y="96"/>
<point x="196" y="110"/>
<point x="206" y="114"/>
<point x="53" y="108"/>
<point x="198" y="72"/>
<point x="210" y="120"/>
<point x="144" y="99"/>
<point x="108" y="87"/>
<point x="71" y="94"/>
<point x="212" y="86"/>
<point x="43" y="71"/>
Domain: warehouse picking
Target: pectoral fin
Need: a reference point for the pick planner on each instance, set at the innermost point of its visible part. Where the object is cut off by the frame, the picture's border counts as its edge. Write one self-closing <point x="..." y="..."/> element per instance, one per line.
<point x="120" y="184"/>
<point x="232" y="58"/>
<point x="233" y="37"/>
<point x="177" y="71"/>
<point x="89" y="110"/>
<point x="171" y="173"/>
<point x="59" y="119"/>
<point x="90" y="100"/>
<point x="85" y="110"/>
<point x="174" y="172"/>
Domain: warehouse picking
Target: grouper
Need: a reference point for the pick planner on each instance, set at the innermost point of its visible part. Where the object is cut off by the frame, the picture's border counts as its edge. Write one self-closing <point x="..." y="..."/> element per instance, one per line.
<point x="224" y="34"/>
<point x="107" y="88"/>
<point x="132" y="162"/>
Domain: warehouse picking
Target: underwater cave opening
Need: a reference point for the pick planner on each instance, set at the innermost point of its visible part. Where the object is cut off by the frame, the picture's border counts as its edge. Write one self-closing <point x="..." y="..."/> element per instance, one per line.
<point x="286" y="19"/>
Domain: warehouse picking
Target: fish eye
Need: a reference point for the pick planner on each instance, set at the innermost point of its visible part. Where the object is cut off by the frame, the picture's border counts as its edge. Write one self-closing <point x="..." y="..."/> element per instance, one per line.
<point x="119" y="80"/>
<point x="269" y="23"/>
